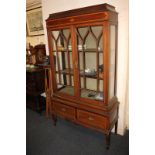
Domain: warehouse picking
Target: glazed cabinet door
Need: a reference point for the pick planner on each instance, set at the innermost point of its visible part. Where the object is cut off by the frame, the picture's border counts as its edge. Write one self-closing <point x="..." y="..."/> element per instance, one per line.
<point x="61" y="51"/>
<point x="84" y="62"/>
<point x="89" y="40"/>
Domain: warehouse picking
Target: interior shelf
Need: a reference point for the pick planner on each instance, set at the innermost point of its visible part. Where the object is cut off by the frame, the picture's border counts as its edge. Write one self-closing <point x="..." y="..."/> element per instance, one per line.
<point x="91" y="94"/>
<point x="66" y="89"/>
<point x="66" y="71"/>
<point x="85" y="93"/>
<point x="70" y="72"/>
<point x="88" y="75"/>
<point x="91" y="50"/>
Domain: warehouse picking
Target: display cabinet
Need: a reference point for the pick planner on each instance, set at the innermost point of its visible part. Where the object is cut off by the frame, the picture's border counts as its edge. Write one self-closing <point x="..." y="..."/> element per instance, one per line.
<point x="83" y="55"/>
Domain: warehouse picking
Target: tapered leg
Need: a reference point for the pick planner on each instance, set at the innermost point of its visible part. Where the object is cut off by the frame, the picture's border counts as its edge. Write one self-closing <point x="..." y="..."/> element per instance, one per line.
<point x="116" y="124"/>
<point x="54" y="117"/>
<point x="47" y="106"/>
<point x="107" y="140"/>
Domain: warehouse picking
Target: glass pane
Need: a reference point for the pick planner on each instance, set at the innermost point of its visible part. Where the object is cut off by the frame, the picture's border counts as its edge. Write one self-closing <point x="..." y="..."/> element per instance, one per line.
<point x="62" y="51"/>
<point x="90" y="55"/>
<point x="112" y="61"/>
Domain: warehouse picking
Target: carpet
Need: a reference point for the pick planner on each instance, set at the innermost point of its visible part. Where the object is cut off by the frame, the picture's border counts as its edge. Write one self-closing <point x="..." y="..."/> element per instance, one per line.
<point x="66" y="138"/>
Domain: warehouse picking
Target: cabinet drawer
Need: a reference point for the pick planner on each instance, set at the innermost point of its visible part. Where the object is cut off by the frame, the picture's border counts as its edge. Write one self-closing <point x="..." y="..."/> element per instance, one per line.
<point x="91" y="119"/>
<point x="64" y="111"/>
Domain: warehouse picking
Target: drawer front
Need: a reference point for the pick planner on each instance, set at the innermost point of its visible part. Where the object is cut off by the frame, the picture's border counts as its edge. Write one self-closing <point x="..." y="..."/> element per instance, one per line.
<point x="64" y="110"/>
<point x="91" y="119"/>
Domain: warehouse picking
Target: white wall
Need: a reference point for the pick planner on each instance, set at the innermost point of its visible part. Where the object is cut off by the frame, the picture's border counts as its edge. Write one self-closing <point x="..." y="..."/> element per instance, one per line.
<point x="52" y="6"/>
<point x="36" y="40"/>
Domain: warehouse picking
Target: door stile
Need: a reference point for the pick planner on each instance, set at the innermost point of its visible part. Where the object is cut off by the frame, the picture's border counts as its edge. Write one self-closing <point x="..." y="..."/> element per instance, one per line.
<point x="50" y="46"/>
<point x="106" y="43"/>
<point x="75" y="62"/>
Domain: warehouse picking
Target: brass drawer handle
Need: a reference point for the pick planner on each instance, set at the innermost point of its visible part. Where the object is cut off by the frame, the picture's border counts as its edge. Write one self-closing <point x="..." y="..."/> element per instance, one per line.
<point x="63" y="109"/>
<point x="90" y="118"/>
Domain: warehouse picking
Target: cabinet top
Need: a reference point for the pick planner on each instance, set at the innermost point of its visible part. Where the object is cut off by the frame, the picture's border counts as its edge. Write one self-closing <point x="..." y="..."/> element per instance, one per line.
<point x="84" y="10"/>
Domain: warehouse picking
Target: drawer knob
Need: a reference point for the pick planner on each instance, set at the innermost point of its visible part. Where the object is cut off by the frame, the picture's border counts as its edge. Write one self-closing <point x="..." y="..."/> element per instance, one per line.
<point x="63" y="109"/>
<point x="90" y="118"/>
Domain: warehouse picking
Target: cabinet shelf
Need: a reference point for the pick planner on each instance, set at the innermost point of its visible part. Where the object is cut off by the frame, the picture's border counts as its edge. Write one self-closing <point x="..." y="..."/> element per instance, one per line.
<point x="94" y="76"/>
<point x="85" y="93"/>
<point x="89" y="50"/>
<point x="91" y="94"/>
<point x="66" y="71"/>
<point x="66" y="89"/>
<point x="70" y="72"/>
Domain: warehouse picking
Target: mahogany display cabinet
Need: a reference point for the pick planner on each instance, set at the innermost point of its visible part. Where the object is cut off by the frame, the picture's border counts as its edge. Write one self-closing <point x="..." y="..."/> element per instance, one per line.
<point x="83" y="55"/>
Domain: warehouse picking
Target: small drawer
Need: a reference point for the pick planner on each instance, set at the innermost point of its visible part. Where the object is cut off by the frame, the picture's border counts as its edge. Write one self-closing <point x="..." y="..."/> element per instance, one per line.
<point x="64" y="110"/>
<point x="91" y="119"/>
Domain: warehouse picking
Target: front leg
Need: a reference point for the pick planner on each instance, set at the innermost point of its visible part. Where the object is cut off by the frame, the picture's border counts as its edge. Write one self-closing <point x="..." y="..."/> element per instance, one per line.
<point x="54" y="117"/>
<point x="107" y="136"/>
<point x="48" y="105"/>
<point x="116" y="124"/>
